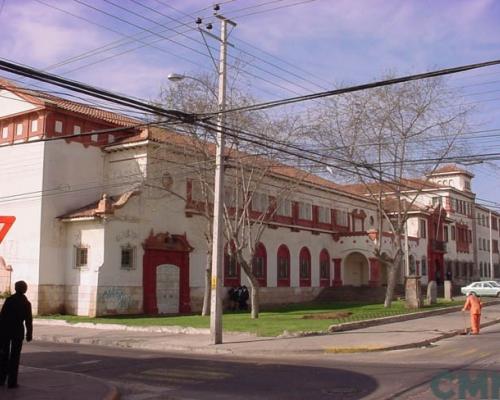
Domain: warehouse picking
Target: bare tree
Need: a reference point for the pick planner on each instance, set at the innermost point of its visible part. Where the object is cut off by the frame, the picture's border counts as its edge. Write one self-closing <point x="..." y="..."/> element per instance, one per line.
<point x="252" y="170"/>
<point x="376" y="134"/>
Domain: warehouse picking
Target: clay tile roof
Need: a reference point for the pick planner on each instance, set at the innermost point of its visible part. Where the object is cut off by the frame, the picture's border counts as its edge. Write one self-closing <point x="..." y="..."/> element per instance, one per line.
<point x="104" y="206"/>
<point x="41" y="98"/>
<point x="451" y="168"/>
<point x="388" y="187"/>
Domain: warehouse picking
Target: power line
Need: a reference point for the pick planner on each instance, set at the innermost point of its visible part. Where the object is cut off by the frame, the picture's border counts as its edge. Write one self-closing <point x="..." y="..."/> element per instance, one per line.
<point x="93" y="91"/>
<point x="183" y="117"/>
<point x="372" y="85"/>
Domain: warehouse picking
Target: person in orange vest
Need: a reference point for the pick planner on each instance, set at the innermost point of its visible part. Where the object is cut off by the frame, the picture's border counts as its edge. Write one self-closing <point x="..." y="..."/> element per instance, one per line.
<point x="473" y="303"/>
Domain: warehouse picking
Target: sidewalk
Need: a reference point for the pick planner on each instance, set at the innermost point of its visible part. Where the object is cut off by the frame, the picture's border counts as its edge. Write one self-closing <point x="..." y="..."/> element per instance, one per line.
<point x="44" y="384"/>
<point x="391" y="336"/>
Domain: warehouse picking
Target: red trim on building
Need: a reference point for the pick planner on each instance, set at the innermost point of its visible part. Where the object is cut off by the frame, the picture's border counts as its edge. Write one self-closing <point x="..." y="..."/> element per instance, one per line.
<point x="260" y="252"/>
<point x="374" y="272"/>
<point x="233" y="280"/>
<point x="164" y="248"/>
<point x="304" y="267"/>
<point x="337" y="272"/>
<point x="283" y="258"/>
<point x="324" y="262"/>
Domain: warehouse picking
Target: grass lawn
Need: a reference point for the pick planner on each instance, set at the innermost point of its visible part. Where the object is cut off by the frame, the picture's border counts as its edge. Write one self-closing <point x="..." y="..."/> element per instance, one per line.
<point x="292" y="318"/>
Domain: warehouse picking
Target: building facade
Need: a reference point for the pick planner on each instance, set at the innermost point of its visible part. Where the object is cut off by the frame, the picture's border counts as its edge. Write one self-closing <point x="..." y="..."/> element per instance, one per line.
<point x="110" y="223"/>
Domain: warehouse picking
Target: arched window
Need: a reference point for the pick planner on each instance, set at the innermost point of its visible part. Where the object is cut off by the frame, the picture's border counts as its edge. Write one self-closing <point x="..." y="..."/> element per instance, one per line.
<point x="424" y="266"/>
<point x="283" y="266"/>
<point x="232" y="270"/>
<point x="324" y="268"/>
<point x="259" y="264"/>
<point x="305" y="267"/>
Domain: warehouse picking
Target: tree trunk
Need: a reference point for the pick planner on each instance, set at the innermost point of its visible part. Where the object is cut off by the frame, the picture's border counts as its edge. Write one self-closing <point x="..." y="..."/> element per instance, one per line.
<point x="255" y="301"/>
<point x="208" y="282"/>
<point x="254" y="285"/>
<point x="392" y="280"/>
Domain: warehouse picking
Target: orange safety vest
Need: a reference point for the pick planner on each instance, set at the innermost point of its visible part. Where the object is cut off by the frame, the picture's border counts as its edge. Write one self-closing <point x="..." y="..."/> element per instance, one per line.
<point x="473" y="304"/>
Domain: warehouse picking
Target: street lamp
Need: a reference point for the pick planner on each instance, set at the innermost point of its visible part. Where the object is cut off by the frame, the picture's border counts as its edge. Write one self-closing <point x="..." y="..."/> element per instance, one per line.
<point x="175" y="77"/>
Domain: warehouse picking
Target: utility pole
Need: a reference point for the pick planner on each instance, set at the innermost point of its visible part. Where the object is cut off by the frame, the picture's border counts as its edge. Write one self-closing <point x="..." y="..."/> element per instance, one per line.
<point x="407" y="250"/>
<point x="218" y="222"/>
<point x="491" y="252"/>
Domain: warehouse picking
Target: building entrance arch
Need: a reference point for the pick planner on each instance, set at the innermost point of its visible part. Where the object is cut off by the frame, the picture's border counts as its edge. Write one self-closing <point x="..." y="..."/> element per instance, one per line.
<point x="356" y="272"/>
<point x="166" y="274"/>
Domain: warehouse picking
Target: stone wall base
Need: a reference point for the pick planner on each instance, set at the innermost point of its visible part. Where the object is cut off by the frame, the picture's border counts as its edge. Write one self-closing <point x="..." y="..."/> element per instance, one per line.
<point x="112" y="300"/>
<point x="46" y="299"/>
<point x="80" y="300"/>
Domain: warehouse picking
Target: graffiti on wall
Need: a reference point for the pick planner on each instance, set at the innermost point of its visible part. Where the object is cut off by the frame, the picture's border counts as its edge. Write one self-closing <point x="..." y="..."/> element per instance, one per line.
<point x="117" y="300"/>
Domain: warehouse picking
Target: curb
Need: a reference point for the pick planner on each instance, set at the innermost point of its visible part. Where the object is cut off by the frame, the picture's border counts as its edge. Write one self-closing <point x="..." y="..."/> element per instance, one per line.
<point x="399" y="318"/>
<point x="118" y="327"/>
<point x="126" y="344"/>
<point x="422" y="343"/>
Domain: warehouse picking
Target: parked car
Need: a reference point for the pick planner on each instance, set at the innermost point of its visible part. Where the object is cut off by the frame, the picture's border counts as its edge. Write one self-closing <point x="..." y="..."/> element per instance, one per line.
<point x="481" y="289"/>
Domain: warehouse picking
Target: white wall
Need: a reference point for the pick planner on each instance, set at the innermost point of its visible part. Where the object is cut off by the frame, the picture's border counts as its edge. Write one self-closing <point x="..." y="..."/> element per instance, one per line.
<point x="20" y="196"/>
<point x="81" y="283"/>
<point x="13" y="104"/>
<point x="73" y="178"/>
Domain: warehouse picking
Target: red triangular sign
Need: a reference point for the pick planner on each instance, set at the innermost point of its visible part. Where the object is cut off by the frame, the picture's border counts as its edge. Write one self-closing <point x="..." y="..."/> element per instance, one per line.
<point x="5" y="225"/>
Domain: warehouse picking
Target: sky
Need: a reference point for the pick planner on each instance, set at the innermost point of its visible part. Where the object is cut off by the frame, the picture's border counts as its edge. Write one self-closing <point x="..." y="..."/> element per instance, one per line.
<point x="287" y="47"/>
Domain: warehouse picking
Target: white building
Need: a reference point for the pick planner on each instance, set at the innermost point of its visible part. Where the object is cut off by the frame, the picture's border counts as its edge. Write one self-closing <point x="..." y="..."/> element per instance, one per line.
<point x="109" y="223"/>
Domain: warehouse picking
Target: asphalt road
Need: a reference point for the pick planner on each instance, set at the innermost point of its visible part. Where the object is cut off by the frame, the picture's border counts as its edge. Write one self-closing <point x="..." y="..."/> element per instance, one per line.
<point x="470" y="364"/>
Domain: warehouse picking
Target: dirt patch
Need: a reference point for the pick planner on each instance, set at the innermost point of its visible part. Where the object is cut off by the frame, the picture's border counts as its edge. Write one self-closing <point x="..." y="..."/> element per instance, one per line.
<point x="329" y="315"/>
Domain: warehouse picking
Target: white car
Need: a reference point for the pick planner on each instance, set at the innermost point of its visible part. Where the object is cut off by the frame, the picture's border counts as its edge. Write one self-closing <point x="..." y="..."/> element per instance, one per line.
<point x="482" y="289"/>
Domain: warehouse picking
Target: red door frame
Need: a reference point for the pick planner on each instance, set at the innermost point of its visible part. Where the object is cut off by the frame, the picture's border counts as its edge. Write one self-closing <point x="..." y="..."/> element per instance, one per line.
<point x="164" y="248"/>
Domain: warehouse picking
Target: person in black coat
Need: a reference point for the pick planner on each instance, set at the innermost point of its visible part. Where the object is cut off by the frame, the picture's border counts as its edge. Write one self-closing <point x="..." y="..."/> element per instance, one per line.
<point x="16" y="312"/>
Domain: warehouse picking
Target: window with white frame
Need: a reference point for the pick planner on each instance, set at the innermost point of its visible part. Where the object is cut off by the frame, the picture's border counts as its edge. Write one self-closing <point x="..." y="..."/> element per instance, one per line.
<point x="423" y="229"/>
<point x="81" y="256"/>
<point x="127" y="257"/>
<point x="260" y="202"/>
<point x="19" y="129"/>
<point x="34" y="125"/>
<point x="77" y="130"/>
<point x="58" y="127"/>
<point x="342" y="218"/>
<point x="324" y="215"/>
<point x="438" y="200"/>
<point x="305" y="210"/>
<point x="5" y="132"/>
<point x="284" y="208"/>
